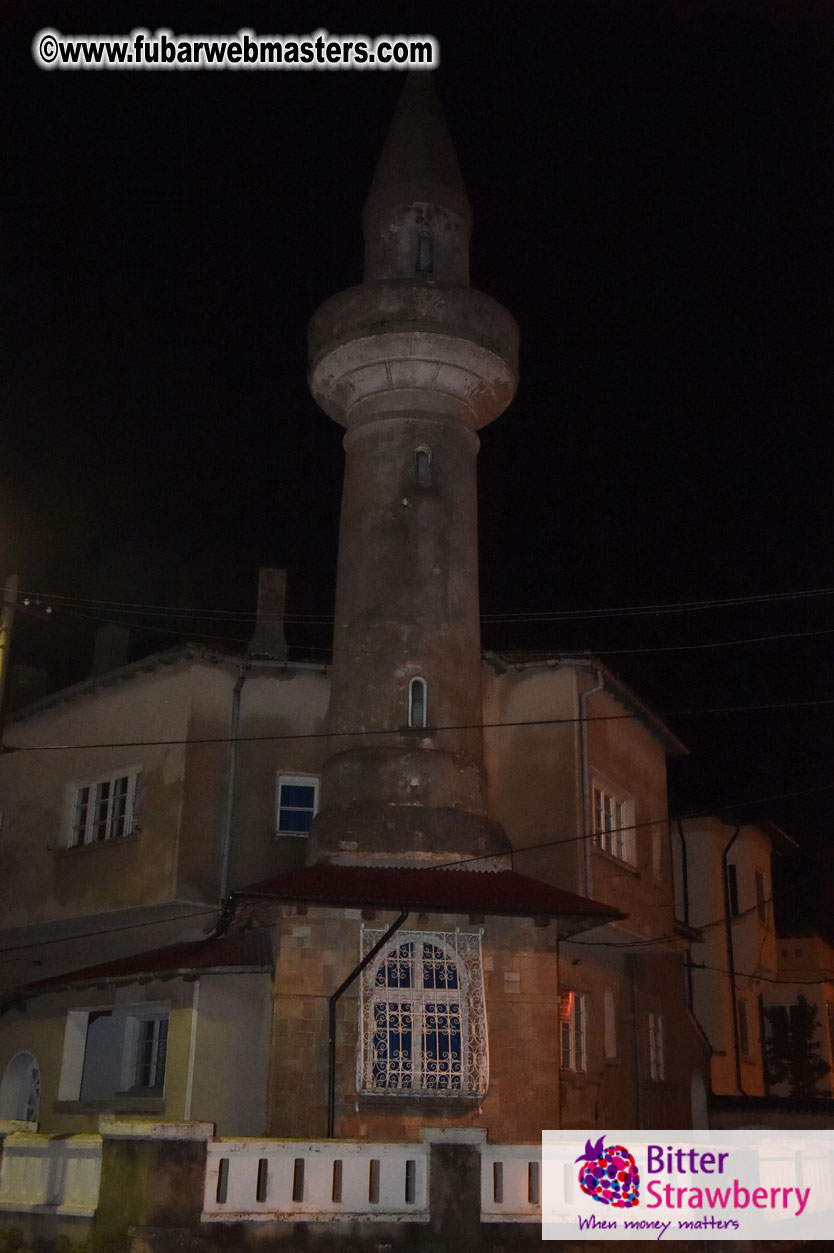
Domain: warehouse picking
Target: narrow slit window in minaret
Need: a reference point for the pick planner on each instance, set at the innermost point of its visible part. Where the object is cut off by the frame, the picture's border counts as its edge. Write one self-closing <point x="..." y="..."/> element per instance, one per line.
<point x="424" y="253"/>
<point x="422" y="467"/>
<point x="417" y="703"/>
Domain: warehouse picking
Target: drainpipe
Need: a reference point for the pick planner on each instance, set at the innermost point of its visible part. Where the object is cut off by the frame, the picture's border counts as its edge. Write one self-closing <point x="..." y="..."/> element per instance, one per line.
<point x="690" y="996"/>
<point x="192" y="1050"/>
<point x="731" y="964"/>
<point x="586" y="780"/>
<point x="231" y="778"/>
<point x="331" y="1019"/>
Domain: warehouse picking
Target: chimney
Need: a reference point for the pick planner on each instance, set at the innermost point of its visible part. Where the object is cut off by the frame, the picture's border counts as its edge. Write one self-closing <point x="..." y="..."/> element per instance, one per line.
<point x="110" y="648"/>
<point x="268" y="639"/>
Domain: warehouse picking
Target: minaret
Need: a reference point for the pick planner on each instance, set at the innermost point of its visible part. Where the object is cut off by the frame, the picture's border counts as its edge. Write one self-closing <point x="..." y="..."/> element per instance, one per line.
<point x="413" y="362"/>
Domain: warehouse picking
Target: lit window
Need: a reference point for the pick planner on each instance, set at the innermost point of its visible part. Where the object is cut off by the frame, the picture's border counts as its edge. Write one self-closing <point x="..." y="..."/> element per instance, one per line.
<point x="110" y="1053"/>
<point x="104" y="809"/>
<point x="417" y="703"/>
<point x="732" y="889"/>
<point x="572" y="1019"/>
<point x="657" y="1065"/>
<point x="297" y="802"/>
<point x="424" y="253"/>
<point x="613" y="829"/>
<point x="422" y="467"/>
<point x="423" y="1016"/>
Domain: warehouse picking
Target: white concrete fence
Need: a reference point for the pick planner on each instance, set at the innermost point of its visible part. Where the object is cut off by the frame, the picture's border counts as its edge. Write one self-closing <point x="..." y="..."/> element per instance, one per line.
<point x="50" y="1174"/>
<point x="511" y="1183"/>
<point x="316" y="1181"/>
<point x="268" y="1180"/>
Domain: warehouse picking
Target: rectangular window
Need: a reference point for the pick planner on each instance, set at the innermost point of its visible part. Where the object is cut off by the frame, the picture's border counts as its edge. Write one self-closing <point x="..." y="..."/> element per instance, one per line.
<point x="761" y="897"/>
<point x="151" y="1053"/>
<point x="423" y="1017"/>
<point x="114" y="1053"/>
<point x="732" y="889"/>
<point x="104" y="809"/>
<point x="572" y="1020"/>
<point x="612" y="823"/>
<point x="297" y="803"/>
<point x="657" y="1065"/>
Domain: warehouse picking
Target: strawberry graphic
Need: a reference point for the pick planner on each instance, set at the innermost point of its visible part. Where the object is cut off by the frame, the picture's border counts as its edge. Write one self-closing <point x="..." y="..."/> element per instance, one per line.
<point x="609" y="1175"/>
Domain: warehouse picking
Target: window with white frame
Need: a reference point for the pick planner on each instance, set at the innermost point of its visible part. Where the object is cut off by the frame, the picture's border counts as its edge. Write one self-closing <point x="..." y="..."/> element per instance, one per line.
<point x="657" y="1063"/>
<point x="612" y="822"/>
<point x="572" y="1028"/>
<point x="423" y="1019"/>
<point x="20" y="1088"/>
<point x="116" y="1052"/>
<point x="417" y="702"/>
<point x="732" y="890"/>
<point x="104" y="808"/>
<point x="297" y="800"/>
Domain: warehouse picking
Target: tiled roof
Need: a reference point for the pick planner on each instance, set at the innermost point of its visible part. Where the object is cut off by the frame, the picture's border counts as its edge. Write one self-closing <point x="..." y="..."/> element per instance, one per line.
<point x="237" y="951"/>
<point x="450" y="891"/>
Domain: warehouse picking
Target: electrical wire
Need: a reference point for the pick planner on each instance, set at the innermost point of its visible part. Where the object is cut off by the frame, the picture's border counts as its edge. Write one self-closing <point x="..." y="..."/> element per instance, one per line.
<point x="514" y="616"/>
<point x="822" y="702"/>
<point x="131" y="926"/>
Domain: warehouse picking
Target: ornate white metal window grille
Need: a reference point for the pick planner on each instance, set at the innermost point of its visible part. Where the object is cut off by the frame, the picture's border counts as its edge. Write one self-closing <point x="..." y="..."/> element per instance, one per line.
<point x="423" y="1020"/>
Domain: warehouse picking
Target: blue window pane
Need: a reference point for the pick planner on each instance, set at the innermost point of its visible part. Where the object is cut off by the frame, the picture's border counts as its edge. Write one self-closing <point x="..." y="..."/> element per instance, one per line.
<point x="295" y="820"/>
<point x="442" y="1046"/>
<point x="395" y="971"/>
<point x="392" y="1045"/>
<point x="298" y="795"/>
<point x="438" y="972"/>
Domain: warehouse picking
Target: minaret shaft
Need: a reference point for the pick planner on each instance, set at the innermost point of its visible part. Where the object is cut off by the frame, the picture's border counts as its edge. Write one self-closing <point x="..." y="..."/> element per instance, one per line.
<point x="413" y="363"/>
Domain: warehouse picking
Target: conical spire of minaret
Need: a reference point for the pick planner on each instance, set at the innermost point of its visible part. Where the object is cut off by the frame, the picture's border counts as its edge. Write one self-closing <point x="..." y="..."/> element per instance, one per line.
<point x="417" y="190"/>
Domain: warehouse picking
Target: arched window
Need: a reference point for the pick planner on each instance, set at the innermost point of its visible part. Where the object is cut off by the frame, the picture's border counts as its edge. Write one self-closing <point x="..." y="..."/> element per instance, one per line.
<point x="422" y="467"/>
<point x="424" y="1028"/>
<point x="424" y="253"/>
<point x="417" y="702"/>
<point x="20" y="1088"/>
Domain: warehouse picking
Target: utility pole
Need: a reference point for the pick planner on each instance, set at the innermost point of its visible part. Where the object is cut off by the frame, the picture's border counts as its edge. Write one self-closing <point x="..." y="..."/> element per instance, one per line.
<point x="6" y="623"/>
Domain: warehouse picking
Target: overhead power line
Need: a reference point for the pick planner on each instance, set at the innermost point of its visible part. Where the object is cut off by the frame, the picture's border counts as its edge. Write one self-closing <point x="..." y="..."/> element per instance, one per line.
<point x="398" y="731"/>
<point x="556" y="615"/>
<point x="193" y="620"/>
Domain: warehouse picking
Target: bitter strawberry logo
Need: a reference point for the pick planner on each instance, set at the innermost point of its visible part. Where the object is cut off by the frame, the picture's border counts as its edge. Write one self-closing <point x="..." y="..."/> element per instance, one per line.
<point x="609" y="1175"/>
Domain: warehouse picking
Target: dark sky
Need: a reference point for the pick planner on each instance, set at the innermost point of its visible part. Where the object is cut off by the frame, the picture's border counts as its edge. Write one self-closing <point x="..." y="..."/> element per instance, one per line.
<point x="652" y="190"/>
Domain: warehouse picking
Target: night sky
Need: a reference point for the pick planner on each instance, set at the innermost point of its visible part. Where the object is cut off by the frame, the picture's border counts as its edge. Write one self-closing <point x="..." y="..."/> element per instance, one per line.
<point x="652" y="192"/>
